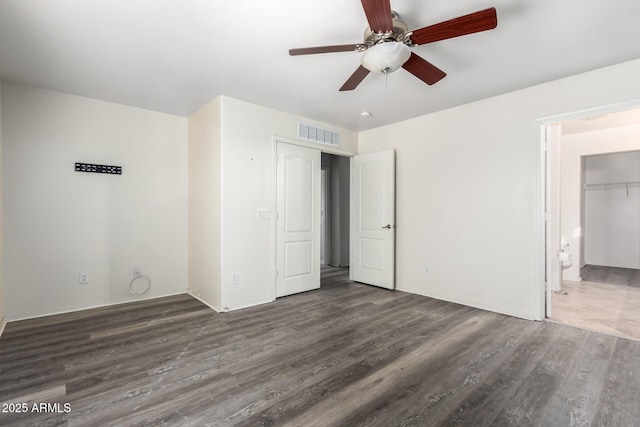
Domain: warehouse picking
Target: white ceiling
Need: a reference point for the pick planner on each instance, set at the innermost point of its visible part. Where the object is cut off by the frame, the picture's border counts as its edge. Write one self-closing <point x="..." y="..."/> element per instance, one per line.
<point x="175" y="56"/>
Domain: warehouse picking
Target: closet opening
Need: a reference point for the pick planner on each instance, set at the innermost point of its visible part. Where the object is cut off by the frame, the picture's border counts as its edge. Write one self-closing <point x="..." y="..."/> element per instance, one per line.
<point x="334" y="217"/>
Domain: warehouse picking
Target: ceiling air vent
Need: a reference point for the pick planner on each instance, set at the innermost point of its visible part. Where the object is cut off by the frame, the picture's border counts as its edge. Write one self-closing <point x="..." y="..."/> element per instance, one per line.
<point x="307" y="132"/>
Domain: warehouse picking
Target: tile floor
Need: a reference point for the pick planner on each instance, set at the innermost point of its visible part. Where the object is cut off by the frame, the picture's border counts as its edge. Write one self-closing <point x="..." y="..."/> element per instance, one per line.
<point x="601" y="307"/>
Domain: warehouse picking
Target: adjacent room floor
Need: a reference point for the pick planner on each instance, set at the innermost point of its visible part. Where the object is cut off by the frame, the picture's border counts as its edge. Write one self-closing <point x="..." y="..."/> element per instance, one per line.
<point x="606" y="300"/>
<point x="345" y="355"/>
<point x="611" y="275"/>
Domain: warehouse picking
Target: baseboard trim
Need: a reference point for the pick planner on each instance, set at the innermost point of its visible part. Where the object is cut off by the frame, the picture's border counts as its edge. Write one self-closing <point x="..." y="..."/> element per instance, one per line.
<point x="223" y="309"/>
<point x="73" y="310"/>
<point x="247" y="306"/>
<point x="202" y="300"/>
<point x="3" y="323"/>
<point x="462" y="301"/>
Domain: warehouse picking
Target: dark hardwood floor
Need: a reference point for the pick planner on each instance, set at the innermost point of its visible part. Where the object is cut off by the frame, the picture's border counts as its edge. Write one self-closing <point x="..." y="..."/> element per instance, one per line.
<point x="344" y="355"/>
<point x="611" y="275"/>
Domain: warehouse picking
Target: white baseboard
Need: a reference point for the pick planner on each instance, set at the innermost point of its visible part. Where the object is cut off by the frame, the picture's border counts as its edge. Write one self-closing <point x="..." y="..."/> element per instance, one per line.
<point x="474" y="304"/>
<point x="202" y="300"/>
<point x="3" y="323"/>
<point x="89" y="307"/>
<point x="223" y="309"/>
<point x="247" y="306"/>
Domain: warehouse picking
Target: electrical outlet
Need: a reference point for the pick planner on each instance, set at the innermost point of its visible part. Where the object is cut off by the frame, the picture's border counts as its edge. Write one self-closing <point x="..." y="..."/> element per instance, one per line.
<point x="234" y="279"/>
<point x="137" y="272"/>
<point x="426" y="270"/>
<point x="83" y="278"/>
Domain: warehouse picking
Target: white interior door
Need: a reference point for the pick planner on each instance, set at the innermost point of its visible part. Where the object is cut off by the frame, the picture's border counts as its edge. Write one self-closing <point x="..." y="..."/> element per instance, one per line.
<point x="298" y="219"/>
<point x="373" y="219"/>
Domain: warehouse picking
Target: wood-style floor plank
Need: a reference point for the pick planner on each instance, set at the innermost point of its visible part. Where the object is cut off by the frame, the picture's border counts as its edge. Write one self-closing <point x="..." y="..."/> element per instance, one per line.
<point x="488" y="398"/>
<point x="345" y="355"/>
<point x="619" y="404"/>
<point x="576" y="399"/>
<point x="611" y="275"/>
<point x="535" y="394"/>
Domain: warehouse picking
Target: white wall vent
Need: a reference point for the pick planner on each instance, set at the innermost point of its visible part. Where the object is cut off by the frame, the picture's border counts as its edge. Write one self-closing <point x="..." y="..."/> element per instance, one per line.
<point x="311" y="133"/>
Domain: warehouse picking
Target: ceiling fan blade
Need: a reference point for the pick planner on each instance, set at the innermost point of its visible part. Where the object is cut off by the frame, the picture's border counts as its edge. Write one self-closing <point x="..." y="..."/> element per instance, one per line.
<point x="468" y="24"/>
<point x="325" y="49"/>
<point x="424" y="70"/>
<point x="356" y="78"/>
<point x="378" y="14"/>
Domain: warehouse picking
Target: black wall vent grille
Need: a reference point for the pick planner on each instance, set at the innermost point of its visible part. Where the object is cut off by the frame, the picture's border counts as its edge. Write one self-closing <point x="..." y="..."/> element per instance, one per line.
<point x="90" y="167"/>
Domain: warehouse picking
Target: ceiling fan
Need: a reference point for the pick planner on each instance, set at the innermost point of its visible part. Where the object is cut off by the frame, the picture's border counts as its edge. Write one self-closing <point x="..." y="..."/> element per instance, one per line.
<point x="387" y="40"/>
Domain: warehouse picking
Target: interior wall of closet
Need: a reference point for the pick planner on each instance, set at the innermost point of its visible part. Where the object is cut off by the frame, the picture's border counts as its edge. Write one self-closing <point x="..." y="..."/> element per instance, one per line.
<point x="334" y="216"/>
<point x="611" y="197"/>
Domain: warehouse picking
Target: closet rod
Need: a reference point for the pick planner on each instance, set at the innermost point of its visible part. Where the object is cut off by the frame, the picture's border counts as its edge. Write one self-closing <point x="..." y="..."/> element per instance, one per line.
<point x="608" y="185"/>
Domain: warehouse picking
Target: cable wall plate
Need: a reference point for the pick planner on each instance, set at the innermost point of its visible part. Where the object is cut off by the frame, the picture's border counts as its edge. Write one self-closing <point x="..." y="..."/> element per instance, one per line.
<point x="93" y="168"/>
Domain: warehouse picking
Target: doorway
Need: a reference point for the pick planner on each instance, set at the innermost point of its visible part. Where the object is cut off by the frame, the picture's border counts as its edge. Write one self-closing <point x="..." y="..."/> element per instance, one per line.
<point x="335" y="177"/>
<point x="334" y="210"/>
<point x="312" y="216"/>
<point x="593" y="227"/>
<point x="357" y="207"/>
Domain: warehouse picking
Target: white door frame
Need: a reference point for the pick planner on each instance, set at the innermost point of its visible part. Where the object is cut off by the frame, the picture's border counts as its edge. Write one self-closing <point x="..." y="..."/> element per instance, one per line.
<point x="325" y="235"/>
<point x="274" y="202"/>
<point x="543" y="181"/>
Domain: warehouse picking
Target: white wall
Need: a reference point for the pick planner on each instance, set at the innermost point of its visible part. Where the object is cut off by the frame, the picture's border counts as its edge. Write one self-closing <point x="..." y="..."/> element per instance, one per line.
<point x="59" y="222"/>
<point x="2" y="303"/>
<point x="573" y="148"/>
<point x="205" y="214"/>
<point x="468" y="190"/>
<point x="247" y="185"/>
<point x="612" y="217"/>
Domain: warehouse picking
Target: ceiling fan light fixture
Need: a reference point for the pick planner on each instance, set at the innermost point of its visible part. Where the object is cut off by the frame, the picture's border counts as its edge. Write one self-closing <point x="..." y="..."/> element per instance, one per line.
<point x="386" y="57"/>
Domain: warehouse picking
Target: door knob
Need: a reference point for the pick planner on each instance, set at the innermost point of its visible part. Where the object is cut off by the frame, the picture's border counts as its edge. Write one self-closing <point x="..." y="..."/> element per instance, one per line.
<point x="387" y="226"/>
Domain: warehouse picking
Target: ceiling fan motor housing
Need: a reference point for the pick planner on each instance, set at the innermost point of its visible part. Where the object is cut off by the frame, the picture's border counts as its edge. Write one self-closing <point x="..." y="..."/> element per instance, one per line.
<point x="398" y="34"/>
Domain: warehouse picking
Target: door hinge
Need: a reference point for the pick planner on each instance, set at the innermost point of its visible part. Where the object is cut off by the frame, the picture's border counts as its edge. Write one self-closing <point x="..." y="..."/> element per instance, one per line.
<point x="546" y="216"/>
